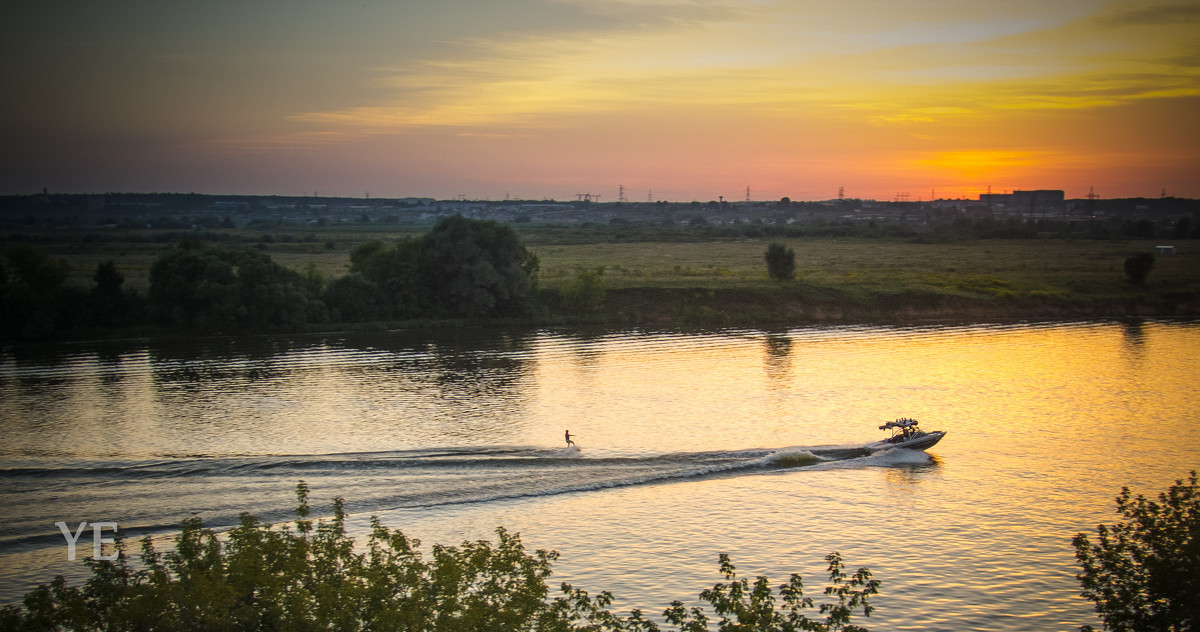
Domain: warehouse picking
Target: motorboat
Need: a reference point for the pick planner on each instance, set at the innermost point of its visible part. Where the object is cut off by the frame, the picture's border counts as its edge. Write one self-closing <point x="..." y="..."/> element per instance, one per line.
<point x="905" y="434"/>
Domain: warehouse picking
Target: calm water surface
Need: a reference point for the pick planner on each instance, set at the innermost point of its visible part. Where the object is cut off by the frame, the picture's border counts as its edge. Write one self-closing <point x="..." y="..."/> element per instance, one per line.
<point x="691" y="445"/>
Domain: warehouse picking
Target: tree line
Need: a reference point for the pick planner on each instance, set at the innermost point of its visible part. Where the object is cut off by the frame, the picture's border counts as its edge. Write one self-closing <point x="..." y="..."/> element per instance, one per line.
<point x="461" y="268"/>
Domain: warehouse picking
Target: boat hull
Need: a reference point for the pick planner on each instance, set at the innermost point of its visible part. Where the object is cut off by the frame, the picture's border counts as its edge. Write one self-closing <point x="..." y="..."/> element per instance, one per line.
<point x="920" y="442"/>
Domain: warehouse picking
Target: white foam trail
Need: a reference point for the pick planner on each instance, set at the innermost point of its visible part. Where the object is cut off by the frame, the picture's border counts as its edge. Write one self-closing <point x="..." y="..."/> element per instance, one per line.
<point x="789" y="457"/>
<point x="893" y="456"/>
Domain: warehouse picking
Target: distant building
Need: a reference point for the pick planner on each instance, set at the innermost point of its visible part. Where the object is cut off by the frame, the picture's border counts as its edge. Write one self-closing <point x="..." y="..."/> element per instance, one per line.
<point x="1039" y="202"/>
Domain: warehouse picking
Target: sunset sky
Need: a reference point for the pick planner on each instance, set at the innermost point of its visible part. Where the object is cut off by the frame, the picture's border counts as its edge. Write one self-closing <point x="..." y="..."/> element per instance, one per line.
<point x="675" y="99"/>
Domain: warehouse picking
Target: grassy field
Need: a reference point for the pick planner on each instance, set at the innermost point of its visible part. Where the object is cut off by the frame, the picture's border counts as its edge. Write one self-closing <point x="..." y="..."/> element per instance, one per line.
<point x="859" y="272"/>
<point x="991" y="268"/>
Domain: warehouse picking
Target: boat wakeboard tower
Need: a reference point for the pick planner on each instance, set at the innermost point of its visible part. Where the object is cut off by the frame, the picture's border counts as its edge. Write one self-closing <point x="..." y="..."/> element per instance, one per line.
<point x="906" y="434"/>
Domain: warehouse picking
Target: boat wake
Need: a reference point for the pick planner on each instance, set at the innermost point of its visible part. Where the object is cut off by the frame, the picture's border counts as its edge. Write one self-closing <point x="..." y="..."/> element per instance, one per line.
<point x="154" y="495"/>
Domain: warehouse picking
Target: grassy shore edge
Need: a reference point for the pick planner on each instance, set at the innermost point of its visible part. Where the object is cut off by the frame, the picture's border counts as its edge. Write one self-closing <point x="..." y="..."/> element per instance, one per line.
<point x="806" y="305"/>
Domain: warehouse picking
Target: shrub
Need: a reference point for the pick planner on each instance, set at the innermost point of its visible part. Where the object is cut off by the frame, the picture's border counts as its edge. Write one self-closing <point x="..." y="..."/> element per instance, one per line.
<point x="781" y="262"/>
<point x="313" y="578"/>
<point x="1144" y="574"/>
<point x="586" y="292"/>
<point x="1138" y="267"/>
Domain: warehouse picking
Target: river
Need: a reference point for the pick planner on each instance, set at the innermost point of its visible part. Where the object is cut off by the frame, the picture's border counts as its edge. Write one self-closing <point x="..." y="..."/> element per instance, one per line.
<point x="690" y="444"/>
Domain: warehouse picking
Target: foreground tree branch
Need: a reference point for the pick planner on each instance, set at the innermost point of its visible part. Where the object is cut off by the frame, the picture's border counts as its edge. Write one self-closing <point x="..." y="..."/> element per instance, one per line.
<point x="1144" y="573"/>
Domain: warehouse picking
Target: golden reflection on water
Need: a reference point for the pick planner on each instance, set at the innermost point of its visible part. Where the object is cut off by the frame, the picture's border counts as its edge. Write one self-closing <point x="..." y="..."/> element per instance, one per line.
<point x="619" y="391"/>
<point x="1045" y="422"/>
<point x="801" y="389"/>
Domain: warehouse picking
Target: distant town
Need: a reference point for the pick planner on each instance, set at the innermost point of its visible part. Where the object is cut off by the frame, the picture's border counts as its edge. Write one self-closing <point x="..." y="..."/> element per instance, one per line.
<point x="191" y="211"/>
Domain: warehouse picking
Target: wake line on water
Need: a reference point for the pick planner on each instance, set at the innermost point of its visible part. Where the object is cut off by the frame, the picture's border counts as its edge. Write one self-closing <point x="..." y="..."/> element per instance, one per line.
<point x="466" y="459"/>
<point x="712" y="465"/>
<point x="398" y="480"/>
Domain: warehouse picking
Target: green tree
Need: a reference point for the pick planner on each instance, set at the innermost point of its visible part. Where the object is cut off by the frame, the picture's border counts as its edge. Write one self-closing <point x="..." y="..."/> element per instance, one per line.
<point x="34" y="298"/>
<point x="395" y="270"/>
<point x="218" y="289"/>
<point x="108" y="299"/>
<point x="1142" y="229"/>
<point x="313" y="279"/>
<point x="191" y="287"/>
<point x="1144" y="573"/>
<point x="586" y="292"/>
<point x="352" y="298"/>
<point x="362" y="256"/>
<point x="1183" y="228"/>
<point x="781" y="262"/>
<point x="477" y="268"/>
<point x="1138" y="267"/>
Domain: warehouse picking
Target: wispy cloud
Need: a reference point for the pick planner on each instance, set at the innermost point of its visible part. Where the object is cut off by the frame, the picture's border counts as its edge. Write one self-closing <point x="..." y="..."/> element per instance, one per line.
<point x="671" y="13"/>
<point x="705" y="86"/>
<point x="768" y="56"/>
<point x="1143" y="14"/>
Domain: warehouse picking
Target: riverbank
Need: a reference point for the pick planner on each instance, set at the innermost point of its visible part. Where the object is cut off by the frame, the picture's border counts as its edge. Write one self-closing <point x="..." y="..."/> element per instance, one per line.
<point x="807" y="306"/>
<point x="798" y="304"/>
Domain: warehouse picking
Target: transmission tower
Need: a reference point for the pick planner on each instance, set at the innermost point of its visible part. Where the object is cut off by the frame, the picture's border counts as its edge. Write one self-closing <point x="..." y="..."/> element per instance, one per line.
<point x="747" y="193"/>
<point x="841" y="193"/>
